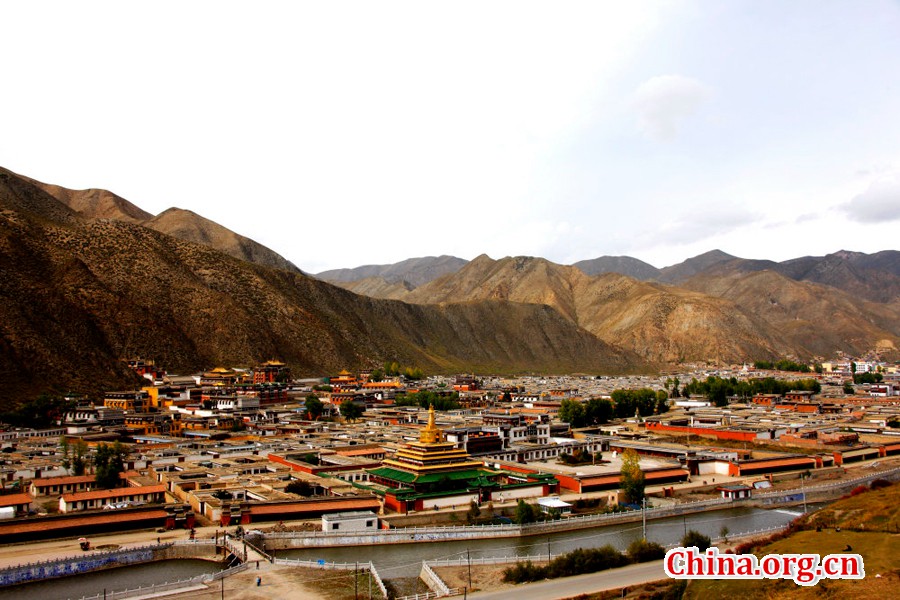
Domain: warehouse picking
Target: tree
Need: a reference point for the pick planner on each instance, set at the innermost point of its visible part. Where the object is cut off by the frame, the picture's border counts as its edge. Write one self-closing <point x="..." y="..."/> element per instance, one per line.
<point x="473" y="513"/>
<point x="413" y="373"/>
<point x="110" y="464"/>
<point x="632" y="477"/>
<point x="525" y="513"/>
<point x="300" y="487"/>
<point x="571" y="412"/>
<point x="314" y="406"/>
<point x="723" y="533"/>
<point x="643" y="551"/>
<point x="676" y="393"/>
<point x="74" y="456"/>
<point x="377" y="375"/>
<point x="662" y="402"/>
<point x="695" y="538"/>
<point x="598" y="411"/>
<point x="848" y="388"/>
<point x="350" y="410"/>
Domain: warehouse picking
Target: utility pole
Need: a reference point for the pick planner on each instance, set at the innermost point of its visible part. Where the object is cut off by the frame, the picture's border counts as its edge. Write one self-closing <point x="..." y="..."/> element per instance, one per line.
<point x="803" y="491"/>
<point x="548" y="549"/>
<point x="469" y="560"/>
<point x="644" y="517"/>
<point x="223" y="588"/>
<point x="356" y="580"/>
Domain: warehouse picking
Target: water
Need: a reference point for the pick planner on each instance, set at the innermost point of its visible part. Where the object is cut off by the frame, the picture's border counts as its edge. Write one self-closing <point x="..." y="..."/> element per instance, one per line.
<point x="121" y="578"/>
<point x="405" y="560"/>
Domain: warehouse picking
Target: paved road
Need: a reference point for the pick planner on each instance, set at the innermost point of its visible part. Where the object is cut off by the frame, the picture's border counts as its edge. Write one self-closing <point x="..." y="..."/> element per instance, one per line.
<point x="567" y="587"/>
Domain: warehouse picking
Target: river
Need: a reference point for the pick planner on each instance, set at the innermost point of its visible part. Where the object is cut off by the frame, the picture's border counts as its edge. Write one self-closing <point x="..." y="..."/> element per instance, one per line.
<point x="405" y="560"/>
<point x="121" y="578"/>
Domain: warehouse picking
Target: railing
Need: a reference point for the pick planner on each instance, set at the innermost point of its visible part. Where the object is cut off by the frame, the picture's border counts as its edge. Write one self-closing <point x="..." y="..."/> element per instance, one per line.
<point x="434" y="582"/>
<point x="225" y="573"/>
<point x="320" y="564"/>
<point x="430" y="595"/>
<point x="378" y="580"/>
<point x="74" y="565"/>
<point x="148" y="590"/>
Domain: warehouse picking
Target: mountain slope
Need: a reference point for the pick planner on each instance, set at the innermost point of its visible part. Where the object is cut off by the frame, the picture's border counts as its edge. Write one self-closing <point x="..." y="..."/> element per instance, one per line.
<point x="623" y="265"/>
<point x="692" y="266"/>
<point x="414" y="271"/>
<point x="813" y="318"/>
<point x="376" y="287"/>
<point x="78" y="294"/>
<point x="95" y="203"/>
<point x="660" y="323"/>
<point x="189" y="226"/>
<point x="183" y="224"/>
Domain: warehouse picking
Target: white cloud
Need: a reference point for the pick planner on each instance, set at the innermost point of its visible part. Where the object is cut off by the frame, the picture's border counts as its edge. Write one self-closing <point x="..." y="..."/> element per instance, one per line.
<point x="878" y="204"/>
<point x="664" y="102"/>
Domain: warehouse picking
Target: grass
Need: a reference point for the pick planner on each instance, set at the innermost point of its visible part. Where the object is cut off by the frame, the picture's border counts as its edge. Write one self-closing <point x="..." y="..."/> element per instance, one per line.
<point x="868" y="522"/>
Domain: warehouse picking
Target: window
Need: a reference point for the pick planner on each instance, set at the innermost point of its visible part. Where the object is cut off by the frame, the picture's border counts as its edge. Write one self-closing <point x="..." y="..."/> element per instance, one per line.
<point x="335" y="525"/>
<point x="370" y="523"/>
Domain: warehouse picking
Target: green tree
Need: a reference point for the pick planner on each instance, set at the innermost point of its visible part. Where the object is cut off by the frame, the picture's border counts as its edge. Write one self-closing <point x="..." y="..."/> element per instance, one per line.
<point x="314" y="406"/>
<point x="848" y="388"/>
<point x="377" y="375"/>
<point x="643" y="551"/>
<point x="571" y="412"/>
<point x="598" y="411"/>
<point x="351" y="411"/>
<point x="632" y="477"/>
<point x="525" y="513"/>
<point x="74" y="456"/>
<point x="109" y="464"/>
<point x="695" y="538"/>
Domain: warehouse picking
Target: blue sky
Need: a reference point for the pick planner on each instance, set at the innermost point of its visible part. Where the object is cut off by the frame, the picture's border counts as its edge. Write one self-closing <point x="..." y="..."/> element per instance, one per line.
<point x="353" y="133"/>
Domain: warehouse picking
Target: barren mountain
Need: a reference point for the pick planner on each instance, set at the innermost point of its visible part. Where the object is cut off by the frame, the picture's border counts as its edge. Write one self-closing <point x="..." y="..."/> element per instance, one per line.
<point x="78" y="294"/>
<point x="815" y="319"/>
<point x="871" y="276"/>
<point x="874" y="277"/>
<point x="414" y="271"/>
<point x="376" y="287"/>
<point x="660" y="323"/>
<point x="692" y="266"/>
<point x="183" y="224"/>
<point x="191" y="227"/>
<point x="623" y="265"/>
<point x="95" y="203"/>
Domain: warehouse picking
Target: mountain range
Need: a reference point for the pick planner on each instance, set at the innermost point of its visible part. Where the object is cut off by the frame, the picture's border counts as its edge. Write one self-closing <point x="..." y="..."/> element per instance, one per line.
<point x="89" y="278"/>
<point x="87" y="284"/>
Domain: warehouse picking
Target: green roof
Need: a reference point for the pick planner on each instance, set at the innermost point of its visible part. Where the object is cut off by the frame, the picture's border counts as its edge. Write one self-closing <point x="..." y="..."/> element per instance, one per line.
<point x="406" y="477"/>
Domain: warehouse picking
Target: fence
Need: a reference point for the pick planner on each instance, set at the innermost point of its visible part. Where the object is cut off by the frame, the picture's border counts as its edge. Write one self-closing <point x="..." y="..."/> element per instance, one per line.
<point x="183" y="584"/>
<point x="74" y="565"/>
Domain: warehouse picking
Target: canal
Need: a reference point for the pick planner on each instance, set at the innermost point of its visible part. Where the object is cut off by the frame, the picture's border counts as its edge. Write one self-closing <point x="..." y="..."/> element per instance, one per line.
<point x="405" y="560"/>
<point x="122" y="578"/>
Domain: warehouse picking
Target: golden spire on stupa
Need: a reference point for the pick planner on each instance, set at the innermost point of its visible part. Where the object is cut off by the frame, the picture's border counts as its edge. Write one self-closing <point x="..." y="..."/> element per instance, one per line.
<point x="431" y="434"/>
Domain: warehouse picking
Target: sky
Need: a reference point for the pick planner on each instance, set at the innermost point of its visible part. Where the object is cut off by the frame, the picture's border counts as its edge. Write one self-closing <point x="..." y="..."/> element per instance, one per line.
<point x="349" y="133"/>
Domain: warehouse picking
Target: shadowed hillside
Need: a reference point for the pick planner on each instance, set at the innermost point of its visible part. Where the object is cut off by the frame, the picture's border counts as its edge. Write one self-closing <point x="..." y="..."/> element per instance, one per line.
<point x="78" y="294"/>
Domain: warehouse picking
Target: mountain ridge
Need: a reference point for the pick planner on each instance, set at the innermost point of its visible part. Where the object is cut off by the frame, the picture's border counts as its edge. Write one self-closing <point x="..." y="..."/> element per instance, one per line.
<point x="81" y="293"/>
